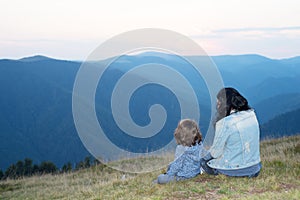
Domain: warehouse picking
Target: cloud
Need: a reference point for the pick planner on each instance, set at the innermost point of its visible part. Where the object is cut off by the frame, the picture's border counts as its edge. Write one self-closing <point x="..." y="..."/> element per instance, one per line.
<point x="273" y="42"/>
<point x="253" y="33"/>
<point x="264" y="29"/>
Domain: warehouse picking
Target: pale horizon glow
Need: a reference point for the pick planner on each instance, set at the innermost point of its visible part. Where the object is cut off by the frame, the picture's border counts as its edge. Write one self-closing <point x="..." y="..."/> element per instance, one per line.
<point x="73" y="29"/>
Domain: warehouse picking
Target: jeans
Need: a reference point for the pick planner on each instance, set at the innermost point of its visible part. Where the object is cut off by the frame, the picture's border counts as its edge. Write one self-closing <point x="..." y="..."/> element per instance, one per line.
<point x="165" y="178"/>
<point x="207" y="168"/>
<point x="234" y="173"/>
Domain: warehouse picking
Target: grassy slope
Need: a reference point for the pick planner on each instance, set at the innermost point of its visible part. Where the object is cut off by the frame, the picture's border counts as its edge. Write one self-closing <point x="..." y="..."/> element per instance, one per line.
<point x="279" y="179"/>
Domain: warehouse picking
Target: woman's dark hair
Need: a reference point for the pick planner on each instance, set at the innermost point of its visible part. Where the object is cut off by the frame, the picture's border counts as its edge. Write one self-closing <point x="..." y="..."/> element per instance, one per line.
<point x="230" y="99"/>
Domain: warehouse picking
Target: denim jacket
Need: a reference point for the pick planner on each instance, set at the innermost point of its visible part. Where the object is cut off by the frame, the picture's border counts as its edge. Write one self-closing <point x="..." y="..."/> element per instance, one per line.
<point x="187" y="165"/>
<point x="236" y="142"/>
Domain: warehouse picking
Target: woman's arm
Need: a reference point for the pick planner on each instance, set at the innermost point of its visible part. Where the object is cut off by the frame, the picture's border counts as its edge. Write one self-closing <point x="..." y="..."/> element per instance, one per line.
<point x="221" y="135"/>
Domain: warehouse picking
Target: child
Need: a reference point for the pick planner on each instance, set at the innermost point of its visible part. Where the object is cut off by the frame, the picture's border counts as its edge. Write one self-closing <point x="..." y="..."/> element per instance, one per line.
<point x="187" y="155"/>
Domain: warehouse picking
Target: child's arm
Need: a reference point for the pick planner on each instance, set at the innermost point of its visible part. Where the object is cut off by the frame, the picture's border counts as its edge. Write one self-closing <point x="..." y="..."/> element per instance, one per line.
<point x="175" y="166"/>
<point x="179" y="151"/>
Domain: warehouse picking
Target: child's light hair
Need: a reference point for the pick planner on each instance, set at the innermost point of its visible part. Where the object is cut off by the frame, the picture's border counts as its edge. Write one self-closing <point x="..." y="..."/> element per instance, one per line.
<point x="187" y="133"/>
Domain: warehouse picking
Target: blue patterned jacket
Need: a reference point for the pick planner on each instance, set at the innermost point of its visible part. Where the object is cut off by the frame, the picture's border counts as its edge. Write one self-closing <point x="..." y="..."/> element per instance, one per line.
<point x="187" y="165"/>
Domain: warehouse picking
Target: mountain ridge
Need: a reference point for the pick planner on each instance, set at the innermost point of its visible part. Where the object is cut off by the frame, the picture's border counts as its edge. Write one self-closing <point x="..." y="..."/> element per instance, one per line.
<point x="36" y="104"/>
<point x="221" y="56"/>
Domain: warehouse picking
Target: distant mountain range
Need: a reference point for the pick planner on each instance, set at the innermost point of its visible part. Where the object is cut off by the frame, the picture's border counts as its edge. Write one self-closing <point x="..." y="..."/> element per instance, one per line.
<point x="283" y="124"/>
<point x="36" y="101"/>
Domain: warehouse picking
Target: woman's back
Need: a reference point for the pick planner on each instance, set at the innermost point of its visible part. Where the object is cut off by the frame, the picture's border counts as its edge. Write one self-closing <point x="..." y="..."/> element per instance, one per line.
<point x="236" y="143"/>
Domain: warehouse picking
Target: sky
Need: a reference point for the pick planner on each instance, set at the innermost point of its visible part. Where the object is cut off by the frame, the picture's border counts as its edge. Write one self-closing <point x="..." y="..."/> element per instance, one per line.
<point x="72" y="29"/>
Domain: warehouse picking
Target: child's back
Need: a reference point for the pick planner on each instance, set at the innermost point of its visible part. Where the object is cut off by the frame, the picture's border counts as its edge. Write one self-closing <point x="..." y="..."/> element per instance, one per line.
<point x="187" y="165"/>
<point x="187" y="155"/>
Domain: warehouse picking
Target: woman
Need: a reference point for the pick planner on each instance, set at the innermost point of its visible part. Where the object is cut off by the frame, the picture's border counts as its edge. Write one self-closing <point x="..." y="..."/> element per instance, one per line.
<point x="235" y="149"/>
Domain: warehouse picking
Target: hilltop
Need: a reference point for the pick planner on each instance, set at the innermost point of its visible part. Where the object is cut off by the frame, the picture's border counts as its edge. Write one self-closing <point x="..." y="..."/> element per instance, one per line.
<point x="279" y="179"/>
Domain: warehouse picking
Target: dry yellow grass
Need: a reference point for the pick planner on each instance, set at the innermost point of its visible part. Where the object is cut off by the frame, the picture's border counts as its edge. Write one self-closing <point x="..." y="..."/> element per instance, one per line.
<point x="279" y="179"/>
